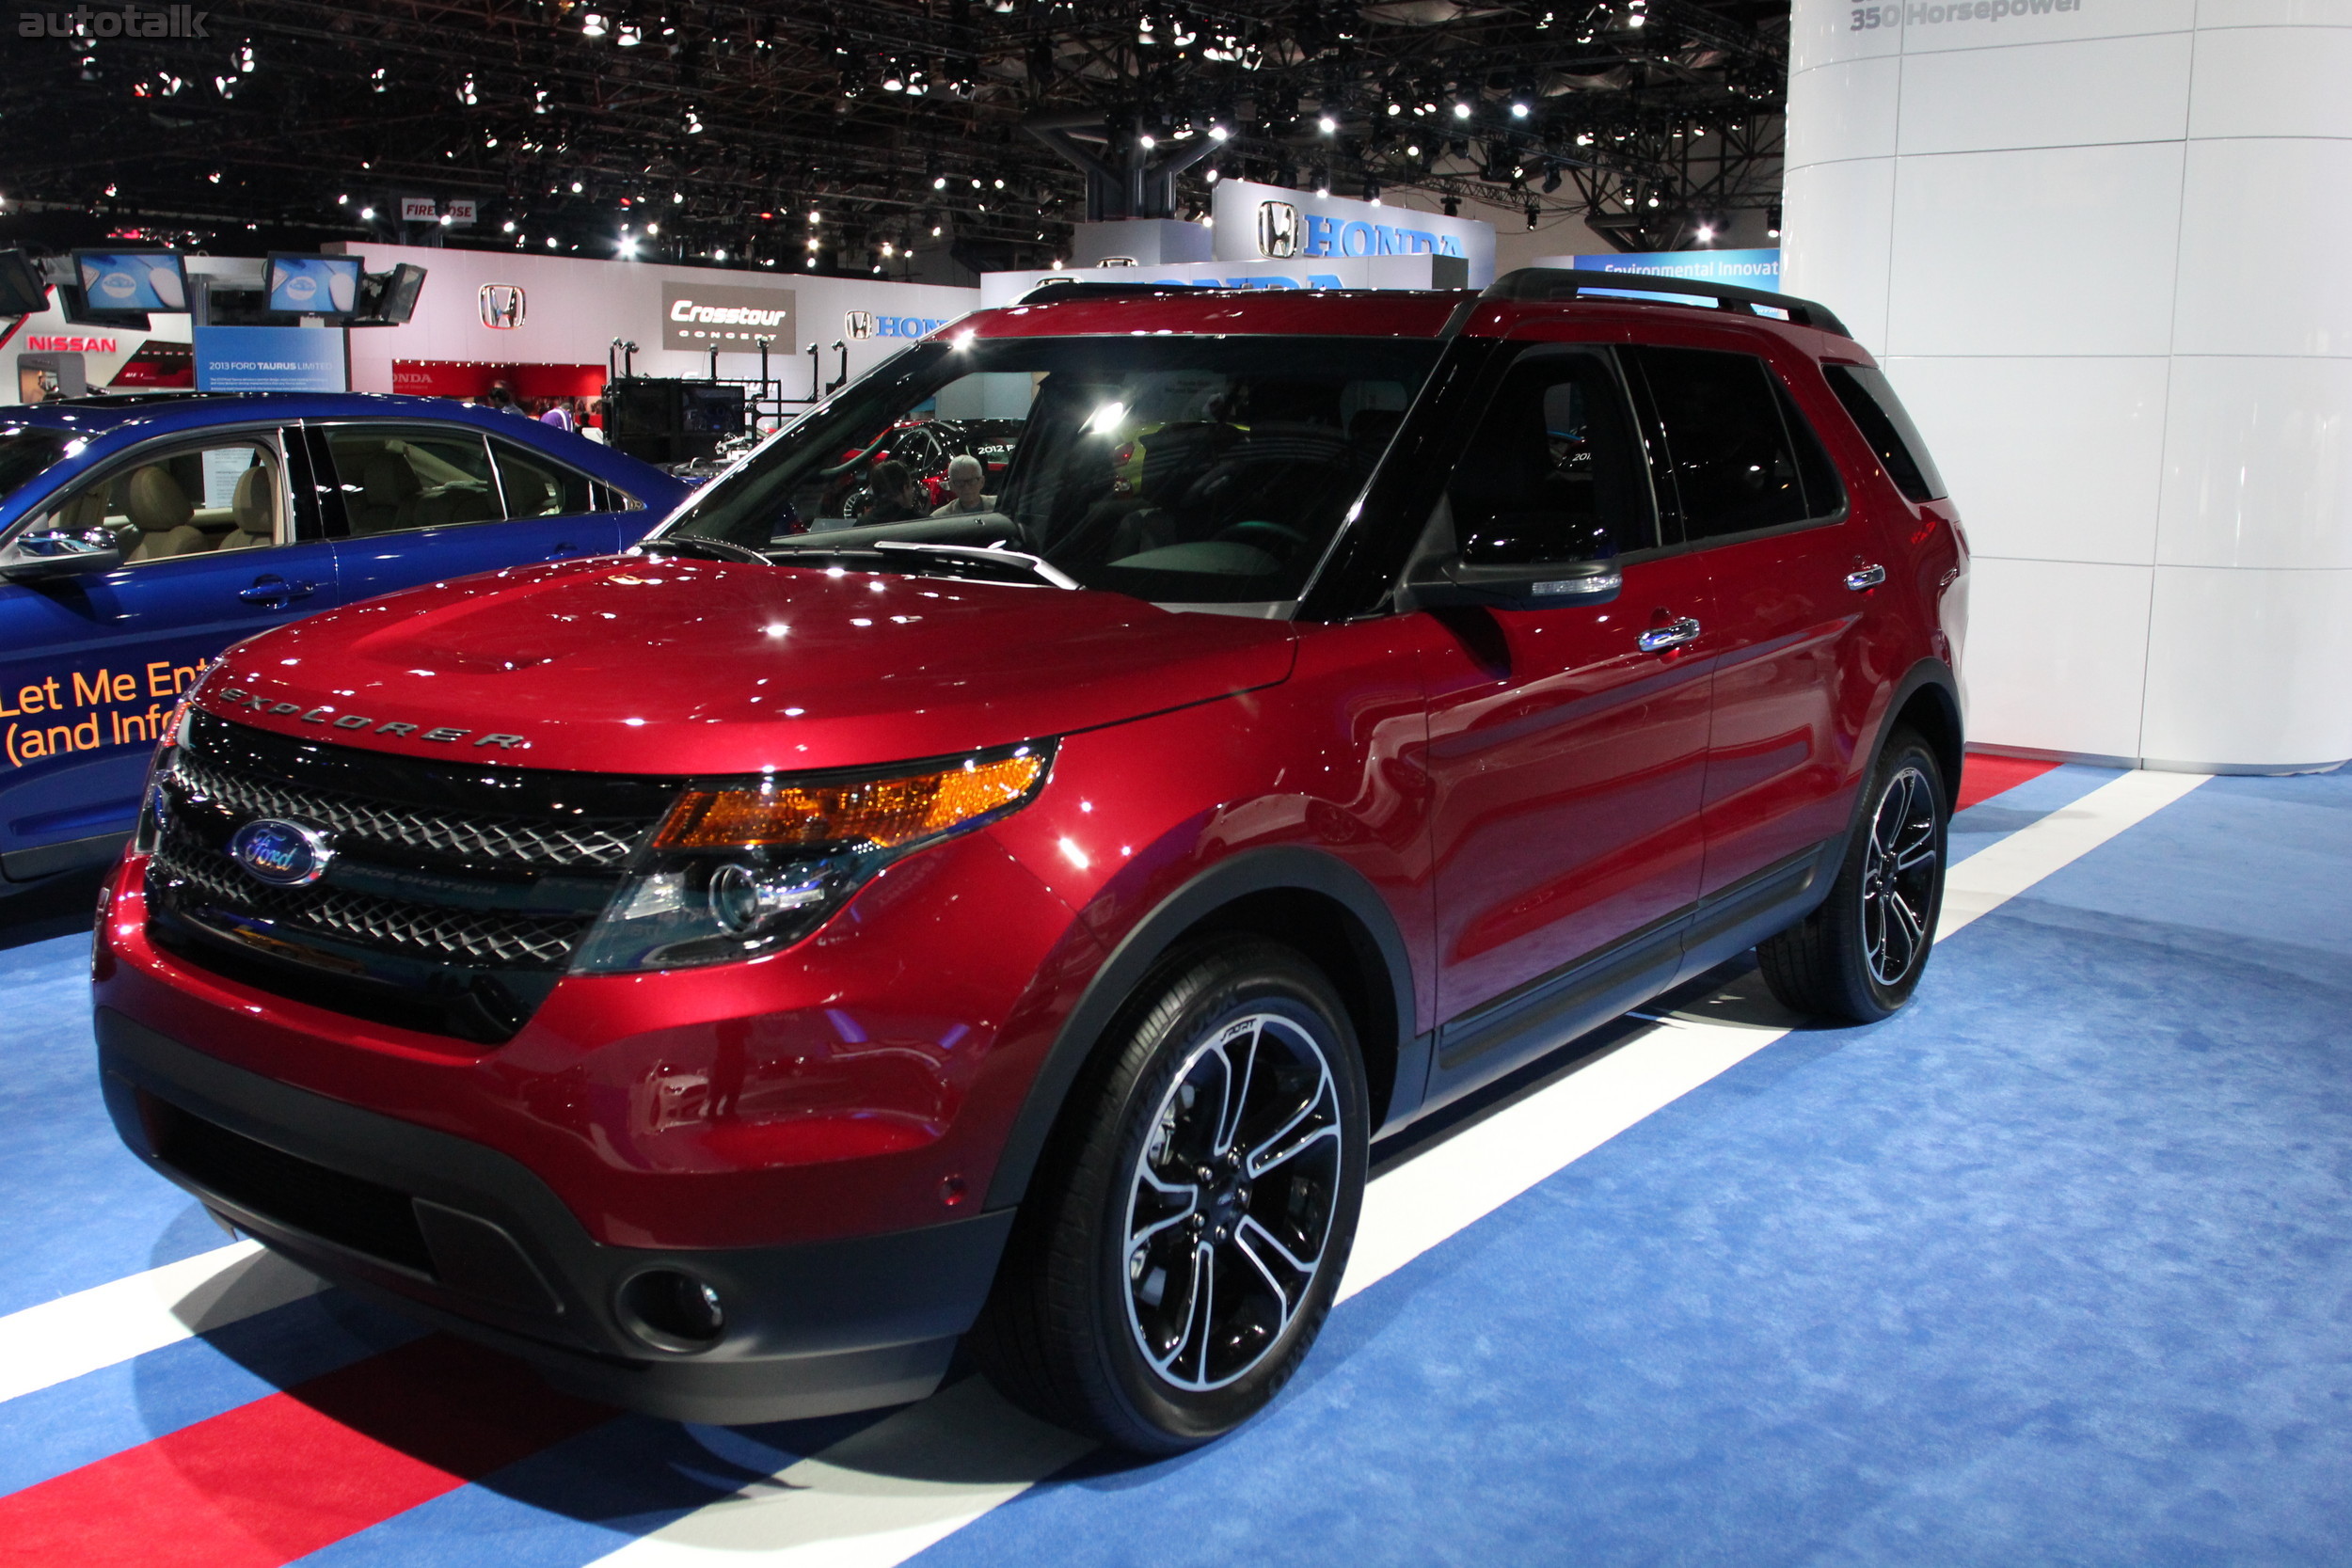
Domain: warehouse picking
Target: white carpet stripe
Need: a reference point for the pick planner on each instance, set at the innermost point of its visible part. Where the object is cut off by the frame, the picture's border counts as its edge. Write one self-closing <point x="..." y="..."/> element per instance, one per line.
<point x="876" y="1500"/>
<point x="80" y="1333"/>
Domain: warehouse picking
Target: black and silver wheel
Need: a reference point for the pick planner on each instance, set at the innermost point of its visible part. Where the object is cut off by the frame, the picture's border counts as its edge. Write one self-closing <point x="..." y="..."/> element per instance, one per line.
<point x="1859" y="956"/>
<point x="1182" y="1243"/>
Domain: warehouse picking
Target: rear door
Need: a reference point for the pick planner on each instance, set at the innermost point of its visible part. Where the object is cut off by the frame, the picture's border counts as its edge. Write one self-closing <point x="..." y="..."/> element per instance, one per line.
<point x="218" y="545"/>
<point x="1750" y="491"/>
<point x="1567" y="746"/>
<point x="424" y="503"/>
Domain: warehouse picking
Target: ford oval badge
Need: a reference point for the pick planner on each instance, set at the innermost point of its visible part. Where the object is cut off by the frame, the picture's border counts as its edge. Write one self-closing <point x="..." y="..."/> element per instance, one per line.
<point x="283" y="854"/>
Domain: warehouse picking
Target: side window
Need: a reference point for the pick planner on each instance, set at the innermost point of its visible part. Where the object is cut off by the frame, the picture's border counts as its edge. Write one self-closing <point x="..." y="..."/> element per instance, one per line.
<point x="1879" y="413"/>
<point x="1551" y="473"/>
<point x="393" y="480"/>
<point x="192" y="501"/>
<point x="1729" y="463"/>
<point x="537" y="486"/>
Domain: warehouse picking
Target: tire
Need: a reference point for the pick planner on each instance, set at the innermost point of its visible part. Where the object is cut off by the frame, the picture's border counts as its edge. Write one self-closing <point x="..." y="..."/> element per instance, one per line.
<point x="1175" y="1258"/>
<point x="1858" y="957"/>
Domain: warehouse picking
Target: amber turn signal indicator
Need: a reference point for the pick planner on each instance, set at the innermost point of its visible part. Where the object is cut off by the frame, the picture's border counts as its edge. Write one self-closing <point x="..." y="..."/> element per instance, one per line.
<point x="886" y="813"/>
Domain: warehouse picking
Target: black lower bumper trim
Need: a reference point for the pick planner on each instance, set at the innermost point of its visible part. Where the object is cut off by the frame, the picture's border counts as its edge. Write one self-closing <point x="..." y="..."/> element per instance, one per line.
<point x="464" y="1237"/>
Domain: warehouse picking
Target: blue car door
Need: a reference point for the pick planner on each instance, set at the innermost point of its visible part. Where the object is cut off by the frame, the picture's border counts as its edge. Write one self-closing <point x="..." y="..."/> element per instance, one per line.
<point x="220" y="540"/>
<point x="424" y="503"/>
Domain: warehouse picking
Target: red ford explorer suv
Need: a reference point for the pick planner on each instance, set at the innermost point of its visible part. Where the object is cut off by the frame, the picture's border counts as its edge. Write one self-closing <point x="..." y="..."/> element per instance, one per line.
<point x="734" y="973"/>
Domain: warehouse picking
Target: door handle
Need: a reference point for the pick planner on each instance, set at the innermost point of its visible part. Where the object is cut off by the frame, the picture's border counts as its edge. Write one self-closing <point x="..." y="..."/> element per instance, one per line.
<point x="1865" y="579"/>
<point x="276" y="591"/>
<point x="1672" y="635"/>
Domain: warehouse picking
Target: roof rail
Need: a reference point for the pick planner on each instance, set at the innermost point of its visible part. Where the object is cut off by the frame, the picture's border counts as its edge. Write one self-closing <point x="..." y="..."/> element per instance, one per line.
<point x="1054" y="289"/>
<point x="1562" y="284"/>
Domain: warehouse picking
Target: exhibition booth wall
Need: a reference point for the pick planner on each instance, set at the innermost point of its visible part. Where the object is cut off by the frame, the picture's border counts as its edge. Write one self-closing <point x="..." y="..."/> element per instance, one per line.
<point x="489" y="307"/>
<point x="2098" y="244"/>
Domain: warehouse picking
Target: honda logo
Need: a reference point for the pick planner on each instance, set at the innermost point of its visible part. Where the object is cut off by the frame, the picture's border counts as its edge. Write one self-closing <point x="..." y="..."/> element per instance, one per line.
<point x="1277" y="230"/>
<point x="503" y="306"/>
<point x="860" y="325"/>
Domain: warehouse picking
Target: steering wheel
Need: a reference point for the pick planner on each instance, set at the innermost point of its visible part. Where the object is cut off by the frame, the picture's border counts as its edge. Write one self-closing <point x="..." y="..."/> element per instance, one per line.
<point x="1257" y="526"/>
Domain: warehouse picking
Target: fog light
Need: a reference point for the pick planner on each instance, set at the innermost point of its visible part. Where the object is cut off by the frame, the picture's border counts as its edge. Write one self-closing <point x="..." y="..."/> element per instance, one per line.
<point x="745" y="897"/>
<point x="672" y="1311"/>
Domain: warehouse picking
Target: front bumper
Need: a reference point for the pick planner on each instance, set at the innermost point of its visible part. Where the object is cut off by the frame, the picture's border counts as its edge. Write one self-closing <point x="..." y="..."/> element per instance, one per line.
<point x="452" y="1231"/>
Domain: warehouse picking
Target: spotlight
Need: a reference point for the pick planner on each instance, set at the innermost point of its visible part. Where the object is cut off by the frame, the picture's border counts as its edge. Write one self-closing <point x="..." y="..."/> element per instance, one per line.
<point x="1145" y="141"/>
<point x="1461" y="111"/>
<point x="508" y="228"/>
<point x="576" y="188"/>
<point x="367" y="215"/>
<point x="1534" y="214"/>
<point x="592" y="25"/>
<point x="1519" y="111"/>
<point x="939" y="182"/>
<point x="1326" y="125"/>
<point x="342" y="202"/>
<point x="677" y="199"/>
<point x="1219" y="132"/>
<point x="1706" y="233"/>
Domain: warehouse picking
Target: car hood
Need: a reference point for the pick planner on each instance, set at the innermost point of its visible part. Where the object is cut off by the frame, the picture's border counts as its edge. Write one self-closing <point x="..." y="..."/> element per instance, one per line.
<point x="668" y="666"/>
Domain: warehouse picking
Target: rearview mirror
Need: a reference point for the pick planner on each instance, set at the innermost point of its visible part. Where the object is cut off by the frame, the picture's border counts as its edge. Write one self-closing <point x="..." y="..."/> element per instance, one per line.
<point x="59" y="553"/>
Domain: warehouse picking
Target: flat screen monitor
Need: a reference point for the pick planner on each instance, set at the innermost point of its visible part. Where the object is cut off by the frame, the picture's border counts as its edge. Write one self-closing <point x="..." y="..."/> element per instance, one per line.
<point x="22" y="291"/>
<point x="401" y="289"/>
<point x="313" y="285"/>
<point x="131" y="279"/>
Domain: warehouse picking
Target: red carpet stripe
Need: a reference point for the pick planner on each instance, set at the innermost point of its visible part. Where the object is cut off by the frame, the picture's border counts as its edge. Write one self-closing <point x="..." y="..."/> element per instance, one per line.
<point x="264" y="1483"/>
<point x="1983" y="777"/>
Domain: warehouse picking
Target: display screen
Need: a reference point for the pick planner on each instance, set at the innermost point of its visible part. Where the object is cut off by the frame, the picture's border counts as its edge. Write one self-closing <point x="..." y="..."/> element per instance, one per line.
<point x="314" y="285"/>
<point x="132" y="279"/>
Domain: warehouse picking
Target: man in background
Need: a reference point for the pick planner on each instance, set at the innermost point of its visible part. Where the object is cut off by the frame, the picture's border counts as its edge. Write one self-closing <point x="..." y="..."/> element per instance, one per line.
<point x="964" y="478"/>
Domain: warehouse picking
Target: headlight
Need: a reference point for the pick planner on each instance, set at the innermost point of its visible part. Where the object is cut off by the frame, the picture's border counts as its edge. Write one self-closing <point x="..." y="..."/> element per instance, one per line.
<point x="744" y="866"/>
<point x="150" y="831"/>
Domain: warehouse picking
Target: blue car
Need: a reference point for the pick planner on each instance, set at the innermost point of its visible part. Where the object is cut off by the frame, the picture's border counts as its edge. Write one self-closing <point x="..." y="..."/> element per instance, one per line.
<point x="140" y="536"/>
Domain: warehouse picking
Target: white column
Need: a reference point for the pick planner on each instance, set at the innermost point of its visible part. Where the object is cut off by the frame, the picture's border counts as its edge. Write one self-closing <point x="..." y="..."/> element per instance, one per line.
<point x="2103" y="249"/>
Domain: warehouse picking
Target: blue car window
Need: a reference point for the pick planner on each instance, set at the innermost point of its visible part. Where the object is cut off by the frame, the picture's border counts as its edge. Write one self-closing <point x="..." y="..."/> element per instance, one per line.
<point x="538" y="486"/>
<point x="192" y="501"/>
<point x="393" y="480"/>
<point x="25" y="455"/>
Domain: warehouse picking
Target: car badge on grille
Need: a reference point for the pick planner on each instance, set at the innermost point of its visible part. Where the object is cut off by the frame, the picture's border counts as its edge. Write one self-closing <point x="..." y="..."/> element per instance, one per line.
<point x="282" y="853"/>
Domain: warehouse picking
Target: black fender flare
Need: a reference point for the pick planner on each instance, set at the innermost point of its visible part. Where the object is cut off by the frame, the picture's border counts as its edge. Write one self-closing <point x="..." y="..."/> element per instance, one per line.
<point x="1274" y="869"/>
<point x="1929" y="671"/>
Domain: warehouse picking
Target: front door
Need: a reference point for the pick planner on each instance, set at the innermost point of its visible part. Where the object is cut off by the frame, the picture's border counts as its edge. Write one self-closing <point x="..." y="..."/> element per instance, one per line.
<point x="1566" y="746"/>
<point x="215" y="551"/>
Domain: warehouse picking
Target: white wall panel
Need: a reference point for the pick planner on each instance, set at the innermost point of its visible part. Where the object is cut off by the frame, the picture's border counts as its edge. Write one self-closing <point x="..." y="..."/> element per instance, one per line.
<point x="1843" y="111"/>
<point x="2273" y="81"/>
<point x="2055" y="654"/>
<point x="2057" y="251"/>
<point x="2213" y="14"/>
<point x="2244" y="288"/>
<point x="2122" y="90"/>
<point x="2048" y="459"/>
<point x="2258" y="465"/>
<point x="1845" y="212"/>
<point x="2247" y="669"/>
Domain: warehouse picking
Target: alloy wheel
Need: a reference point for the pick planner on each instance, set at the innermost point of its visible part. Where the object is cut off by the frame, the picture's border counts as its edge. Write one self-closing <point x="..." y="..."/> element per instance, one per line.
<point x="1229" y="1208"/>
<point x="1900" y="871"/>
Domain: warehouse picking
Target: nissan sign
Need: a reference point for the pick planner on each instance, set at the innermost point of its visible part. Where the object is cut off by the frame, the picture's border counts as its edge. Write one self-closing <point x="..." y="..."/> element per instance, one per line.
<point x="709" y="316"/>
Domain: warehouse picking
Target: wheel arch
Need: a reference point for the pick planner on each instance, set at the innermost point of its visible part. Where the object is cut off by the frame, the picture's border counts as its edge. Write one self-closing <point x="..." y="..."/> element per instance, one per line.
<point x="1928" y="700"/>
<point x="1301" y="897"/>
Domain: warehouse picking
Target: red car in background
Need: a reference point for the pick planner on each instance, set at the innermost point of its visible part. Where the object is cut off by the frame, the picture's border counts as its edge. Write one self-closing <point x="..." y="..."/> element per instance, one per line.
<point x="733" y="974"/>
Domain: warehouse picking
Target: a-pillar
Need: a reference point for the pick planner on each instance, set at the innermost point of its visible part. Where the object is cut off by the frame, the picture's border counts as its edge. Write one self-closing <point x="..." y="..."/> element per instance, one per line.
<point x="2105" y="250"/>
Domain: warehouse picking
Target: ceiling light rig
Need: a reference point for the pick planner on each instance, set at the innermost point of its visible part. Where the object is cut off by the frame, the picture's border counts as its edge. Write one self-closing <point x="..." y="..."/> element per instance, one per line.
<point x="908" y="118"/>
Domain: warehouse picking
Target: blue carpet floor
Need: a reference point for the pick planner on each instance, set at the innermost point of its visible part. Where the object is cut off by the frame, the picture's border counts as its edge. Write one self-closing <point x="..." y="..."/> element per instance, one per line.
<point x="2055" y="1267"/>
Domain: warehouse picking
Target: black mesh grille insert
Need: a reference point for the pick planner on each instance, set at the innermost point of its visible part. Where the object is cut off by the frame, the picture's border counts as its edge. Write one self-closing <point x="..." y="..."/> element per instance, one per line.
<point x="277" y="1185"/>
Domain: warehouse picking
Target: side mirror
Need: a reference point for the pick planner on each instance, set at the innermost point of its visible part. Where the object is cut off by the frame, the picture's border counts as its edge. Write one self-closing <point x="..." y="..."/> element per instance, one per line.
<point x="1525" y="585"/>
<point x="58" y="552"/>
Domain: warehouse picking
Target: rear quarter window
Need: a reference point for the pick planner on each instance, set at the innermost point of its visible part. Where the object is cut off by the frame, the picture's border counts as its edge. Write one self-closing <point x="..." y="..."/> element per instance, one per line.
<point x="1879" y="413"/>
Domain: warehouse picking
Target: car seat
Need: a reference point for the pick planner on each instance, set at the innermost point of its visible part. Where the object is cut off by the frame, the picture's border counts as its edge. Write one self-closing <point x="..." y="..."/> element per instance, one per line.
<point x="255" y="508"/>
<point x="388" y="491"/>
<point x="162" y="512"/>
<point x="526" y="490"/>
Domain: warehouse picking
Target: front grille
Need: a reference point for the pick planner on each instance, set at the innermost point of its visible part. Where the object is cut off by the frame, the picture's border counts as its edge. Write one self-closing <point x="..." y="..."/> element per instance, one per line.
<point x="457" y="891"/>
<point x="475" y="937"/>
<point x="506" y="839"/>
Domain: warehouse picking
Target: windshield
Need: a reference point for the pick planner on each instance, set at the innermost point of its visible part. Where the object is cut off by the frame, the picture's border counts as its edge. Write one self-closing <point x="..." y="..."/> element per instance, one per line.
<point x="1193" y="470"/>
<point x="25" y="454"/>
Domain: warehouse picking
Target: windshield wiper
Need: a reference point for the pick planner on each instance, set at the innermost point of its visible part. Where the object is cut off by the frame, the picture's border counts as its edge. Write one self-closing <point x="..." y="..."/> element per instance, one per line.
<point x="701" y="545"/>
<point x="1033" y="566"/>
